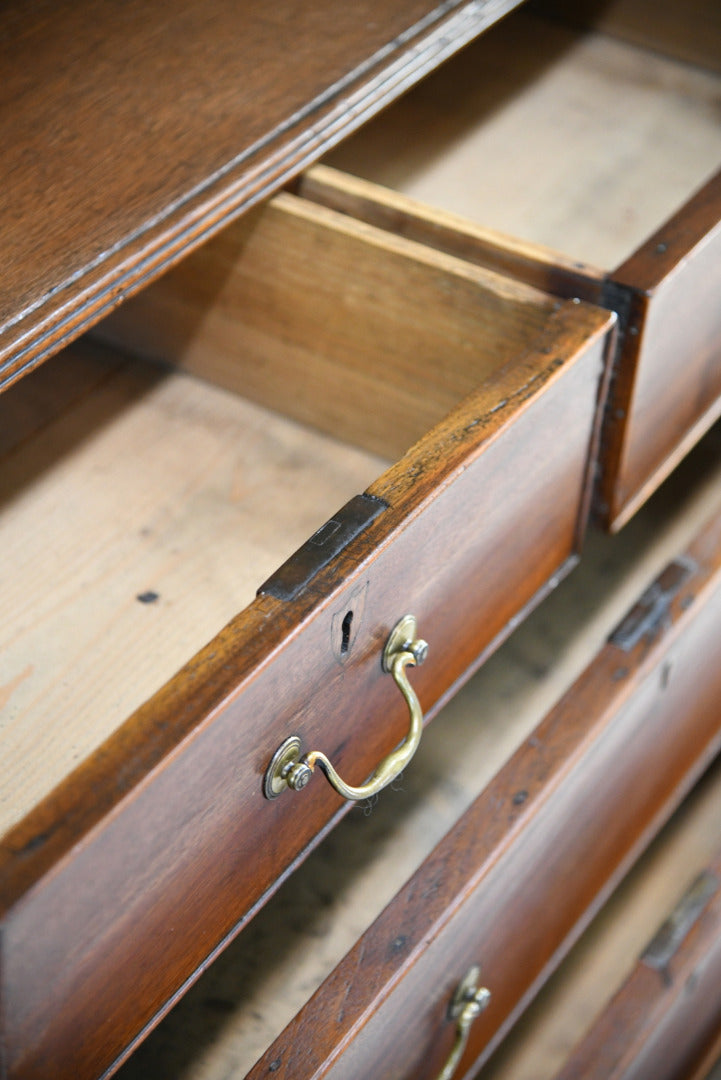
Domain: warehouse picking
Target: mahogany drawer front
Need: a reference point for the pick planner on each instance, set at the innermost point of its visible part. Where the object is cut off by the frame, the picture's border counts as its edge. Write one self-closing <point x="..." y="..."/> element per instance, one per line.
<point x="663" y="280"/>
<point x="514" y="883"/>
<point x="667" y="378"/>
<point x="638" y="995"/>
<point x="140" y="864"/>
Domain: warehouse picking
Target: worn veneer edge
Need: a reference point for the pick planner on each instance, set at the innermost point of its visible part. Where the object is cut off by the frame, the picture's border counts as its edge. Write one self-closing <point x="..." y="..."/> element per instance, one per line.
<point x="77" y="304"/>
<point x="442" y="903"/>
<point x="219" y="673"/>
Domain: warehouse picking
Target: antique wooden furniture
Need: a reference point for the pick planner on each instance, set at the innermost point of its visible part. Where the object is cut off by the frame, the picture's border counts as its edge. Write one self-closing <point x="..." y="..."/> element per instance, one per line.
<point x="644" y="977"/>
<point x="144" y="504"/>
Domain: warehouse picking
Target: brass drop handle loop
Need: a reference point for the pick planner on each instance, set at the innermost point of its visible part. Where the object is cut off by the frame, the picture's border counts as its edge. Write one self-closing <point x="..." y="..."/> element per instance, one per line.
<point x="468" y="1002"/>
<point x="288" y="769"/>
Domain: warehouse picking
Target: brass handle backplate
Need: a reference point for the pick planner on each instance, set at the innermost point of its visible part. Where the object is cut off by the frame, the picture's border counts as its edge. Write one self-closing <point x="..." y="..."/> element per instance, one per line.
<point x="468" y="1002"/>
<point x="289" y="769"/>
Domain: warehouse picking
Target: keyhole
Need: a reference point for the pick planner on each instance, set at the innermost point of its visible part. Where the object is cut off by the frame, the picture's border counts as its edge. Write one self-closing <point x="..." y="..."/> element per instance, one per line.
<point x="345" y="630"/>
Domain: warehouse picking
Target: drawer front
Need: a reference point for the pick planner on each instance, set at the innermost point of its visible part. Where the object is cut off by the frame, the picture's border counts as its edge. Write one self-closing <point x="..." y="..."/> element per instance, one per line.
<point x="516" y="880"/>
<point x="666" y="390"/>
<point x="120" y="886"/>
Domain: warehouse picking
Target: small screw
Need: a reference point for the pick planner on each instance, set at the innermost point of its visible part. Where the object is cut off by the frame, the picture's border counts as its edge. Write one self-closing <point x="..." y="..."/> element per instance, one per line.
<point x="298" y="775"/>
<point x="418" y="649"/>
<point x="479" y="1000"/>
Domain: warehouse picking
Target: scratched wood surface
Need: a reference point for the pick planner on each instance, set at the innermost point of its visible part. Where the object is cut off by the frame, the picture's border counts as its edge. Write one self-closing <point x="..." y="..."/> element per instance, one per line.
<point x="582" y="143"/>
<point x="241" y="1005"/>
<point x="132" y="132"/>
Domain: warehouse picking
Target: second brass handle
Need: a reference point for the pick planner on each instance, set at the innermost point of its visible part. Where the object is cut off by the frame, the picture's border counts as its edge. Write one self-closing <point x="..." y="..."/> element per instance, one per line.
<point x="468" y="1002"/>
<point x="288" y="769"/>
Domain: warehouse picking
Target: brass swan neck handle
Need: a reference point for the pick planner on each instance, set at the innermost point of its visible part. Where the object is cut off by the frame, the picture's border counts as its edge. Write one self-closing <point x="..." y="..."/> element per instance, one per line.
<point x="288" y="769"/>
<point x="468" y="1002"/>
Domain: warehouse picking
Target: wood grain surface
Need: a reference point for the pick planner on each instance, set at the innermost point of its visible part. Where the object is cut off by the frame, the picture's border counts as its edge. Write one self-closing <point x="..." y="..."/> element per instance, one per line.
<point x="484" y="514"/>
<point x="589" y="788"/>
<point x="541" y="267"/>
<point x="249" y="994"/>
<point x="571" y="140"/>
<point x="133" y="131"/>
<point x="629" y="201"/>
<point x="666" y="389"/>
<point x="666" y="386"/>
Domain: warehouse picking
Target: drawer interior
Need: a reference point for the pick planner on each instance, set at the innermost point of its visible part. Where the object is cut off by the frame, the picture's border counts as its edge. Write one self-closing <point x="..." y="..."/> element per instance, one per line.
<point x="242" y="1003"/>
<point x="573" y="139"/>
<point x="143" y="504"/>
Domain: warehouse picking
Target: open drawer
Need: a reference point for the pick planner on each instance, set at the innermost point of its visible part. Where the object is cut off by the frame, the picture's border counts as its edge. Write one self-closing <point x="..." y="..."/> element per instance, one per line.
<point x="598" y="155"/>
<point x="143" y="506"/>
<point x="499" y="846"/>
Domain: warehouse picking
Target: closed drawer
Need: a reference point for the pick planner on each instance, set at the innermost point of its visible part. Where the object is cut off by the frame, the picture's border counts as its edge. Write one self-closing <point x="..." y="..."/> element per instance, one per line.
<point x="144" y="504"/>
<point x="552" y="813"/>
<point x="599" y="155"/>
<point x="665" y="1019"/>
<point x="638" y="996"/>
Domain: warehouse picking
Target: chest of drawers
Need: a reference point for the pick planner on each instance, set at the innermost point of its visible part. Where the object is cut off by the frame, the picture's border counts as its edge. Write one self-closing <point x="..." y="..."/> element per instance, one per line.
<point x="145" y="505"/>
